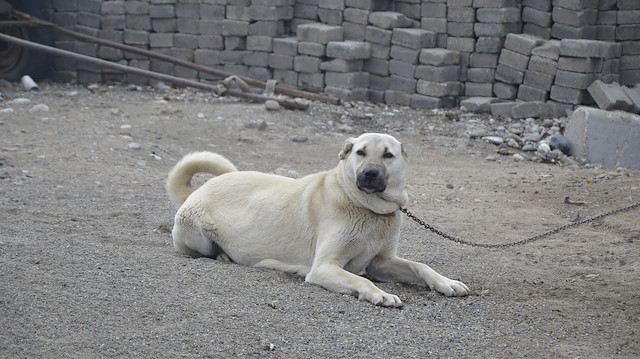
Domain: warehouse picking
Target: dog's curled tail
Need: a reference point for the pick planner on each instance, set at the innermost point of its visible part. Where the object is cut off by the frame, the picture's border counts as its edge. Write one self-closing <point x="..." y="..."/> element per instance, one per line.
<point x="179" y="181"/>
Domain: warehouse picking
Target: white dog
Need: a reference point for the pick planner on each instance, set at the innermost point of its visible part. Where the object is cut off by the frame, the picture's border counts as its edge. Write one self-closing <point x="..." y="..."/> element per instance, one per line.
<point x="329" y="226"/>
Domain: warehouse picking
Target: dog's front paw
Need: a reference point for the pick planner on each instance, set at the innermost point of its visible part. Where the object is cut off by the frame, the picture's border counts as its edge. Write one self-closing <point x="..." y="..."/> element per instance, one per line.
<point x="381" y="298"/>
<point x="451" y="288"/>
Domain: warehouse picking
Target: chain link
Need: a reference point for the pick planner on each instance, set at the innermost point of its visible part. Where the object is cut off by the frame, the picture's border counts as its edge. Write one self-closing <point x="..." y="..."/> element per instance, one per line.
<point x="523" y="241"/>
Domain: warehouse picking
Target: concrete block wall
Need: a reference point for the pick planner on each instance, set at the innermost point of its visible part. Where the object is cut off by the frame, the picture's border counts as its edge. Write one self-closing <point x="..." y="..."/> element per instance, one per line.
<point x="419" y="53"/>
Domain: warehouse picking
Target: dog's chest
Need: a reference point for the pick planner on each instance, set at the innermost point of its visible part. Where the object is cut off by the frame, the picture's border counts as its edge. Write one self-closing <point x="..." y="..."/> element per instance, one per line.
<point x="367" y="239"/>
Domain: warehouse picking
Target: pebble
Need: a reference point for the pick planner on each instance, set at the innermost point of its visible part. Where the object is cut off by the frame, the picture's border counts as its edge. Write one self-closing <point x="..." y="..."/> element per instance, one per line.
<point x="544" y="150"/>
<point x="512" y="143"/>
<point x="19" y="101"/>
<point x="561" y="143"/>
<point x="4" y="174"/>
<point x="494" y="140"/>
<point x="134" y="146"/>
<point x="299" y="138"/>
<point x="116" y="112"/>
<point x="477" y="133"/>
<point x="39" y="108"/>
<point x="260" y="125"/>
<point x="518" y="157"/>
<point x="7" y="110"/>
<point x="272" y="105"/>
<point x="529" y="147"/>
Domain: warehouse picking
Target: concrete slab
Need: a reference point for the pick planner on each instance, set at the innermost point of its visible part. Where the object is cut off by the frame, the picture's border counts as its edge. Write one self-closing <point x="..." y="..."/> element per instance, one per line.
<point x="609" y="96"/>
<point x="611" y="139"/>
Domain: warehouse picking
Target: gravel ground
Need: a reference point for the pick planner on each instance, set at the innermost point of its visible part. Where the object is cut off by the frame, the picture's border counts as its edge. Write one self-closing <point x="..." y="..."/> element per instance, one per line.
<point x="87" y="268"/>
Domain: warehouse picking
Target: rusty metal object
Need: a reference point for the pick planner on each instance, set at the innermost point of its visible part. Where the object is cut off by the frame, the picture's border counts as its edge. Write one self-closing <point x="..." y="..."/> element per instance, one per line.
<point x="289" y="103"/>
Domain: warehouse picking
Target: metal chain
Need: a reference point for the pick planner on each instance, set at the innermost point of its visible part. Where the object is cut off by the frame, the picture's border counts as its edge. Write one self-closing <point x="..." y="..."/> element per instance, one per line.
<point x="526" y="240"/>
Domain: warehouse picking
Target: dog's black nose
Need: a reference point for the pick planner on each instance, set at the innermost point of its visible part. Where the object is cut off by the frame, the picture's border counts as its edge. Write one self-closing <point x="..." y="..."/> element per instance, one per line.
<point x="370" y="172"/>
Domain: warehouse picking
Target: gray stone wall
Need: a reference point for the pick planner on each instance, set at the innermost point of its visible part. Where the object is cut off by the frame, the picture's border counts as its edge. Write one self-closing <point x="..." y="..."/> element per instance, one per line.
<point x="419" y="53"/>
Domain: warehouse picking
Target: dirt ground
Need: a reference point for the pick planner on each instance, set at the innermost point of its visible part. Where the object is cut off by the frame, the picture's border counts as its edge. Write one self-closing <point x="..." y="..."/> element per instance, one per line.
<point x="87" y="268"/>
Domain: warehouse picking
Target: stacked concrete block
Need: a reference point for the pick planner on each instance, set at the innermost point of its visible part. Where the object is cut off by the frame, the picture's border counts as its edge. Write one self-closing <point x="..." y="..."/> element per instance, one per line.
<point x="312" y="41"/>
<point x="537" y="18"/>
<point x="438" y="79"/>
<point x="280" y="60"/>
<point x="573" y="19"/>
<point x="541" y="72"/>
<point x="379" y="34"/>
<point x="306" y="9"/>
<point x="461" y="18"/>
<point x="512" y="64"/>
<point x="495" y="19"/>
<point x="610" y="96"/>
<point x="406" y="45"/>
<point x="581" y="62"/>
<point x="331" y="11"/>
<point x="628" y="33"/>
<point x="343" y="73"/>
<point x="433" y="17"/>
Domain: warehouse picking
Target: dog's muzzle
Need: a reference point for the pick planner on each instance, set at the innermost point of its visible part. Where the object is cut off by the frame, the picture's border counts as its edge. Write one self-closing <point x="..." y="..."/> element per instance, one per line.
<point x="371" y="181"/>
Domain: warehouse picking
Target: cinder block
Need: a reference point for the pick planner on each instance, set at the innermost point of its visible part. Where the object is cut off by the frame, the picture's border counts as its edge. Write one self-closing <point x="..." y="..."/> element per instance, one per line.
<point x="379" y="82"/>
<point x="330" y="17"/>
<point x="498" y="16"/>
<point x="340" y="65"/>
<point x="513" y="59"/>
<point x="478" y="89"/>
<point x="522" y="43"/>
<point x="529" y="93"/>
<point x="609" y="97"/>
<point x="401" y="68"/>
<point x="256" y="58"/>
<point x="460" y="29"/>
<point x="285" y="46"/>
<point x="358" y="16"/>
<point x="611" y="139"/>
<point x="380" y="51"/>
<point x="505" y="91"/>
<point x="235" y="28"/>
<point x="313" y="82"/>
<point x="538" y="80"/>
<point x="389" y="20"/>
<point x="438" y="73"/>
<point x="569" y="95"/>
<point x="563" y="31"/>
<point x="434" y="24"/>
<point x="628" y="32"/>
<point x="478" y="104"/>
<point x="353" y="31"/>
<point x="405" y="54"/>
<point x="348" y="94"/>
<point x="308" y="64"/>
<point x="509" y="75"/>
<point x="535" y="30"/>
<point x="280" y="62"/>
<point x="461" y="14"/>
<point x="311" y="48"/>
<point x="438" y="89"/>
<point x="536" y="17"/>
<point x="347" y="80"/>
<point x="462" y="44"/>
<point x="425" y="102"/>
<point x="331" y="4"/>
<point x="266" y="28"/>
<point x="491" y="45"/>
<point x="320" y="33"/>
<point x="393" y="97"/>
<point x="404" y="84"/>
<point x="439" y="57"/>
<point x="348" y="50"/>
<point x="574" y="18"/>
<point x="377" y="66"/>
<point x="481" y="59"/>
<point x="550" y="49"/>
<point x="162" y="11"/>
<point x="259" y="43"/>
<point x="534" y="109"/>
<point x="377" y="35"/>
<point x="590" y="48"/>
<point x="634" y="95"/>
<point x="481" y="75"/>
<point x="288" y="77"/>
<point x="502" y="109"/>
<point x="574" y="80"/>
<point x="414" y="38"/>
<point x="577" y="4"/>
<point x="496" y="30"/>
<point x="580" y="64"/>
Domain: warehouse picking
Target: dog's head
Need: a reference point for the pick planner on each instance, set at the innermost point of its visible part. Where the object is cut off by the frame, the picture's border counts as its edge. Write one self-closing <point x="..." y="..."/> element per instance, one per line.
<point x="376" y="163"/>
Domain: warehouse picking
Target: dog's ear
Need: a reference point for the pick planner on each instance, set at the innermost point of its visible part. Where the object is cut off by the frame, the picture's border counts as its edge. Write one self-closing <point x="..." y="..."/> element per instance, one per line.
<point x="348" y="145"/>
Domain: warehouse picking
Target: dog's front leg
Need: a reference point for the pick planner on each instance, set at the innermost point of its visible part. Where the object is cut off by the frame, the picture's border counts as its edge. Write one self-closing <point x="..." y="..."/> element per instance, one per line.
<point x="336" y="279"/>
<point x="395" y="269"/>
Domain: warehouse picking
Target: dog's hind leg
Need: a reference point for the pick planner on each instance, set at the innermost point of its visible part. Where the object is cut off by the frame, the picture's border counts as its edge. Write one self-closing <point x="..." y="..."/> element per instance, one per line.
<point x="192" y="241"/>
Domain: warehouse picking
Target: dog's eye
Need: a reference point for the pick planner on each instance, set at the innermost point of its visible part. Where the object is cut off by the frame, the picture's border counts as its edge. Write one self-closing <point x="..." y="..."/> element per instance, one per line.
<point x="360" y="153"/>
<point x="388" y="155"/>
